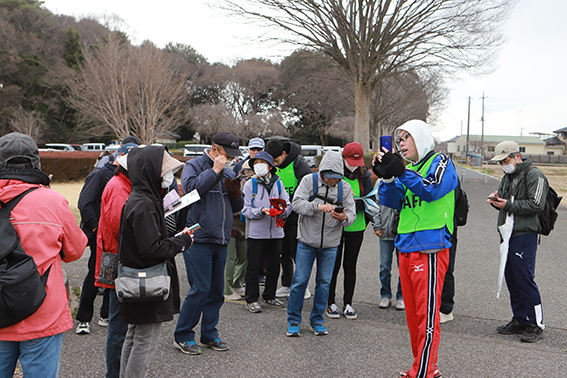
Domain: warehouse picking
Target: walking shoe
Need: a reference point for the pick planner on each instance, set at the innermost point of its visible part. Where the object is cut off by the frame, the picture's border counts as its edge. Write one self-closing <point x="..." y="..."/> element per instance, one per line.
<point x="188" y="347"/>
<point x="444" y="318"/>
<point x="514" y="327"/>
<point x="400" y="305"/>
<point x="283" y="292"/>
<point x="349" y="312"/>
<point x="384" y="303"/>
<point x="436" y="373"/>
<point x="332" y="312"/>
<point x="274" y="302"/>
<point x="307" y="294"/>
<point x="293" y="330"/>
<point x="533" y="333"/>
<point x="233" y="297"/>
<point x="103" y="322"/>
<point x="83" y="329"/>
<point x="261" y="280"/>
<point x="216" y="344"/>
<point x="253" y="307"/>
<point x="319" y="330"/>
<point x="240" y="291"/>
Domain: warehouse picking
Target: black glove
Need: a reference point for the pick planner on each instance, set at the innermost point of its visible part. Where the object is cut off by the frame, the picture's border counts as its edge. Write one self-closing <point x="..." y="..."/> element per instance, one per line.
<point x="391" y="165"/>
<point x="233" y="188"/>
<point x="380" y="171"/>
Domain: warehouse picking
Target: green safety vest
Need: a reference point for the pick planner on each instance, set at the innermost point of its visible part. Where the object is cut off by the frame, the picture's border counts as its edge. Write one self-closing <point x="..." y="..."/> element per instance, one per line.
<point x="419" y="215"/>
<point x="360" y="222"/>
<point x="287" y="175"/>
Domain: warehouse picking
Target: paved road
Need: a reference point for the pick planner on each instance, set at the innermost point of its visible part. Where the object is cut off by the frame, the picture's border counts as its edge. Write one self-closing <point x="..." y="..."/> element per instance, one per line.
<point x="377" y="343"/>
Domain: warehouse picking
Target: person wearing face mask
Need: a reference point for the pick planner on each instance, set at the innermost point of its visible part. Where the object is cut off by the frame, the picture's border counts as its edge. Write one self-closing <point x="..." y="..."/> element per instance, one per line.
<point x="522" y="192"/>
<point x="263" y="233"/>
<point x="359" y="180"/>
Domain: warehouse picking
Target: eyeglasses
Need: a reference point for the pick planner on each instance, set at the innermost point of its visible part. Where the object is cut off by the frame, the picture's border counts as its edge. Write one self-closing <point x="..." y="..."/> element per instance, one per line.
<point x="403" y="138"/>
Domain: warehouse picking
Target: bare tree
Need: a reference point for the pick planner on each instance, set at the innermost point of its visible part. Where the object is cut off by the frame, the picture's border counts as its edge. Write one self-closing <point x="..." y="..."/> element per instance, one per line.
<point x="29" y="123"/>
<point x="129" y="90"/>
<point x="371" y="39"/>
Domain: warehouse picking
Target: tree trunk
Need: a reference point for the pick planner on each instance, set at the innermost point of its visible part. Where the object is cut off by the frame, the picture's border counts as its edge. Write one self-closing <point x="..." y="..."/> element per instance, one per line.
<point x="362" y="93"/>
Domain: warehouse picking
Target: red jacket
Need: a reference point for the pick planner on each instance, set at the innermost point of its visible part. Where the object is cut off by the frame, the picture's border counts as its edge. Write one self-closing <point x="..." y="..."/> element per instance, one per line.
<point x="114" y="196"/>
<point x="45" y="225"/>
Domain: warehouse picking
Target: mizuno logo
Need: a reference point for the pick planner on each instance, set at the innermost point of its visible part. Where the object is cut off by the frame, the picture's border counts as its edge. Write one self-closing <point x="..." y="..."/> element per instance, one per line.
<point x="418" y="268"/>
<point x="521" y="255"/>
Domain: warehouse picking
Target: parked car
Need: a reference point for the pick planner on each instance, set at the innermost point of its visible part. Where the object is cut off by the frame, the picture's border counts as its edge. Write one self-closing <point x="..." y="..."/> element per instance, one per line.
<point x="112" y="148"/>
<point x="93" y="147"/>
<point x="309" y="152"/>
<point x="194" y="150"/>
<point x="332" y="148"/>
<point x="58" y="147"/>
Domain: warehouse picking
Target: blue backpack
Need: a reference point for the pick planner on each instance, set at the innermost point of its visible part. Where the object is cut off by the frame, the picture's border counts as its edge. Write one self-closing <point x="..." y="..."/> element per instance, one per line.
<point x="338" y="202"/>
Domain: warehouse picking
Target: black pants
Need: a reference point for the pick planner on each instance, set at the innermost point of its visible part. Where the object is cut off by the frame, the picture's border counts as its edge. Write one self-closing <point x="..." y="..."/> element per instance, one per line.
<point x="89" y="291"/>
<point x="289" y="249"/>
<point x="256" y="250"/>
<point x="447" y="301"/>
<point x="350" y="244"/>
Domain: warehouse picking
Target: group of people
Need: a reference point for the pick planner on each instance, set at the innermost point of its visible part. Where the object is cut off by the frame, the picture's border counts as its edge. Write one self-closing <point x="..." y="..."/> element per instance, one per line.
<point x="268" y="211"/>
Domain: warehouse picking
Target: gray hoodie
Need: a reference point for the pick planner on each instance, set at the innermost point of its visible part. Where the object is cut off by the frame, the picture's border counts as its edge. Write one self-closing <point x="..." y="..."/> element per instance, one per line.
<point x="318" y="229"/>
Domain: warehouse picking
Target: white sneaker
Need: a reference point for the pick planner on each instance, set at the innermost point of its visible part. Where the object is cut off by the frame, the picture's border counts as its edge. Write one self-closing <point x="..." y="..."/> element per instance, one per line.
<point x="385" y="303"/>
<point x="103" y="322"/>
<point x="233" y="297"/>
<point x="400" y="305"/>
<point x="240" y="291"/>
<point x="307" y="294"/>
<point x="444" y="318"/>
<point x="349" y="312"/>
<point x="283" y="292"/>
<point x="83" y="329"/>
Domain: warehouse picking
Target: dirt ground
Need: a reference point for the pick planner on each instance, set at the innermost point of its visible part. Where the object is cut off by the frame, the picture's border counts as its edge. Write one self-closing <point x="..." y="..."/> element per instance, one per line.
<point x="70" y="190"/>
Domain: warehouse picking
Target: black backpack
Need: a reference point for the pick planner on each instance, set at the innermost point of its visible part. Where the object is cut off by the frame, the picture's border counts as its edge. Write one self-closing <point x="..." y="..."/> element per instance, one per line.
<point x="22" y="289"/>
<point x="548" y="216"/>
<point x="461" y="205"/>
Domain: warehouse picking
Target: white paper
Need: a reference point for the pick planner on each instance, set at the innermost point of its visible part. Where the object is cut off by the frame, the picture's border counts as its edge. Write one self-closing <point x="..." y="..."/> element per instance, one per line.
<point x="186" y="200"/>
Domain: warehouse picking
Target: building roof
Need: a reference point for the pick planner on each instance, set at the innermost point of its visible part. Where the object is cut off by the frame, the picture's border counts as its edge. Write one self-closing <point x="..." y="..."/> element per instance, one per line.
<point x="555" y="141"/>
<point x="502" y="138"/>
<point x="563" y="130"/>
<point x="454" y="139"/>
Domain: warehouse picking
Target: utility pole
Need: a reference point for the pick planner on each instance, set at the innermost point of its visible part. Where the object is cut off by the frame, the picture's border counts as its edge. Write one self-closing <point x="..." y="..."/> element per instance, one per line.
<point x="468" y="132"/>
<point x="482" y="135"/>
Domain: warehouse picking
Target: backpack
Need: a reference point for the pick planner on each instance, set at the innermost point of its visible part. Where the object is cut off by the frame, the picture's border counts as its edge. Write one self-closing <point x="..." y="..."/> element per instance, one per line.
<point x="548" y="216"/>
<point x="22" y="289"/>
<point x="461" y="205"/>
<point x="338" y="202"/>
<point x="255" y="189"/>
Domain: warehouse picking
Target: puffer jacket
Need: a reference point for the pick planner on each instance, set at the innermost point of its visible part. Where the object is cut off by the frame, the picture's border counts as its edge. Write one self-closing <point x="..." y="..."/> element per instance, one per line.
<point x="318" y="229"/>
<point x="46" y="226"/>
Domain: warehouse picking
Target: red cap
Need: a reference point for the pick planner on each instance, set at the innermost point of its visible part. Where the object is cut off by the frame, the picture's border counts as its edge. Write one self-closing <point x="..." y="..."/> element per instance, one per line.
<point x="354" y="154"/>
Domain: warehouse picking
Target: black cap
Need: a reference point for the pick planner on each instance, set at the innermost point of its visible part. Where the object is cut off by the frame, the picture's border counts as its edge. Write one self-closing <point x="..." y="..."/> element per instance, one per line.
<point x="18" y="151"/>
<point x="131" y="139"/>
<point x="229" y="142"/>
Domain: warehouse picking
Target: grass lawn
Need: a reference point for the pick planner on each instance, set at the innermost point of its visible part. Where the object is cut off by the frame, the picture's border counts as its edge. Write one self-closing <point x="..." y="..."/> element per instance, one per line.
<point x="70" y="190"/>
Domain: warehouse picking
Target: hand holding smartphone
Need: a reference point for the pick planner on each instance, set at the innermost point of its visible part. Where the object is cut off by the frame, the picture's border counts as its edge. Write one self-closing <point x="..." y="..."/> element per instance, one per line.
<point x="194" y="227"/>
<point x="493" y="198"/>
<point x="339" y="209"/>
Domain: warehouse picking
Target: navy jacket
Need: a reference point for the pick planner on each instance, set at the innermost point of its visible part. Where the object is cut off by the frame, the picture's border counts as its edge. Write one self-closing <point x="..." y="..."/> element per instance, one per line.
<point x="91" y="195"/>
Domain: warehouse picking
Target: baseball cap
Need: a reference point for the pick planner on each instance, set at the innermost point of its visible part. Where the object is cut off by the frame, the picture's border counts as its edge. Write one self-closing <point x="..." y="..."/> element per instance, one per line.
<point x="256" y="143"/>
<point x="131" y="139"/>
<point x="332" y="175"/>
<point x="125" y="148"/>
<point x="503" y="149"/>
<point x="229" y="142"/>
<point x="18" y="152"/>
<point x="354" y="154"/>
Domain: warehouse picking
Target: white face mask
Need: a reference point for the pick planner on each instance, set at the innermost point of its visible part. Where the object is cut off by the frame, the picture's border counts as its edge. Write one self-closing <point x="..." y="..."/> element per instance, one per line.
<point x="509" y="168"/>
<point x="350" y="167"/>
<point x="261" y="169"/>
<point x="167" y="180"/>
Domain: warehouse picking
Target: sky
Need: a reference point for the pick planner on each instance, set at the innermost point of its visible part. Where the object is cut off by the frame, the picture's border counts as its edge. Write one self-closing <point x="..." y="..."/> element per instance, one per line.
<point x="525" y="93"/>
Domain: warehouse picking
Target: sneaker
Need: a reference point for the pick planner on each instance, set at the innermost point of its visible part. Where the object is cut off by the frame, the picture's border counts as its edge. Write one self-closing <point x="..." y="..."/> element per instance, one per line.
<point x="83" y="329"/>
<point x="233" y="297"/>
<point x="332" y="312"/>
<point x="319" y="330"/>
<point x="533" y="333"/>
<point x="240" y="291"/>
<point x="283" y="292"/>
<point x="253" y="307"/>
<point x="292" y="330"/>
<point x="103" y="322"/>
<point x="436" y="373"/>
<point x="216" y="344"/>
<point x="400" y="305"/>
<point x="274" y="302"/>
<point x="261" y="280"/>
<point x="349" y="312"/>
<point x="514" y="327"/>
<point x="307" y="294"/>
<point x="385" y="303"/>
<point x="188" y="347"/>
<point x="444" y="318"/>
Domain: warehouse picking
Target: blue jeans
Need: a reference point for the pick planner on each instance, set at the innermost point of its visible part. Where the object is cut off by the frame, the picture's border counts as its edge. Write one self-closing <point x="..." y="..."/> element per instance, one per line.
<point x="386" y="251"/>
<point x="205" y="272"/>
<point x="304" y="259"/>
<point x="114" y="337"/>
<point x="39" y="357"/>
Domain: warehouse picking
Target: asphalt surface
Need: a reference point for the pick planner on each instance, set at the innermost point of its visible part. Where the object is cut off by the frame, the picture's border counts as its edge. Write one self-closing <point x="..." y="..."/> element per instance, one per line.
<point x="377" y="343"/>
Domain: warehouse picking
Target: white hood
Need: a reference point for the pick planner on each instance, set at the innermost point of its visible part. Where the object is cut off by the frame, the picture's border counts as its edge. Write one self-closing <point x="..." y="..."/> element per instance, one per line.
<point x="421" y="133"/>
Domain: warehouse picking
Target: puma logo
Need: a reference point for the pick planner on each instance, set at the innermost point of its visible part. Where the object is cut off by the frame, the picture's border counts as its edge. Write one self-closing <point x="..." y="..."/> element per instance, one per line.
<point x="418" y="268"/>
<point x="520" y="255"/>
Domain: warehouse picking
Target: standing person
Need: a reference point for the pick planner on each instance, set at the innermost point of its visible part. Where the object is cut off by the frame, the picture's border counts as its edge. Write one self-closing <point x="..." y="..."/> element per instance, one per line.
<point x="114" y="196"/>
<point x="106" y="158"/>
<point x="264" y="233"/>
<point x="220" y="198"/>
<point x="359" y="180"/>
<point x="145" y="243"/>
<point x="291" y="167"/>
<point x="319" y="236"/>
<point x="448" y="294"/>
<point x="386" y="228"/>
<point x="424" y="194"/>
<point x="522" y="192"/>
<point x="48" y="233"/>
<point x="255" y="145"/>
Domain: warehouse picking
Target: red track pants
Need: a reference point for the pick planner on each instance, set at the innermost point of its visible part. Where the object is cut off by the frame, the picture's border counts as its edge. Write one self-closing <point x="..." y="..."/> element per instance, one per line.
<point x="422" y="277"/>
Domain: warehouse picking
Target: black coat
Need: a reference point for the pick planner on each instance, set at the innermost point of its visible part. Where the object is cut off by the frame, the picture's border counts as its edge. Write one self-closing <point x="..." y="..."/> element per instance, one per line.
<point x="144" y="241"/>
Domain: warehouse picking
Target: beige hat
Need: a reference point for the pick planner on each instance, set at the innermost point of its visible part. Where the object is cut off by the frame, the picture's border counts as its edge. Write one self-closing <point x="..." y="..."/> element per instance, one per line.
<point x="169" y="164"/>
<point x="503" y="149"/>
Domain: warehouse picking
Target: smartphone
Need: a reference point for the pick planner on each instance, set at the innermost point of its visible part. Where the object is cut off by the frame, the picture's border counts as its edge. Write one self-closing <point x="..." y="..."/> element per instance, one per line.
<point x="493" y="198"/>
<point x="339" y="209"/>
<point x="386" y="142"/>
<point x="196" y="226"/>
